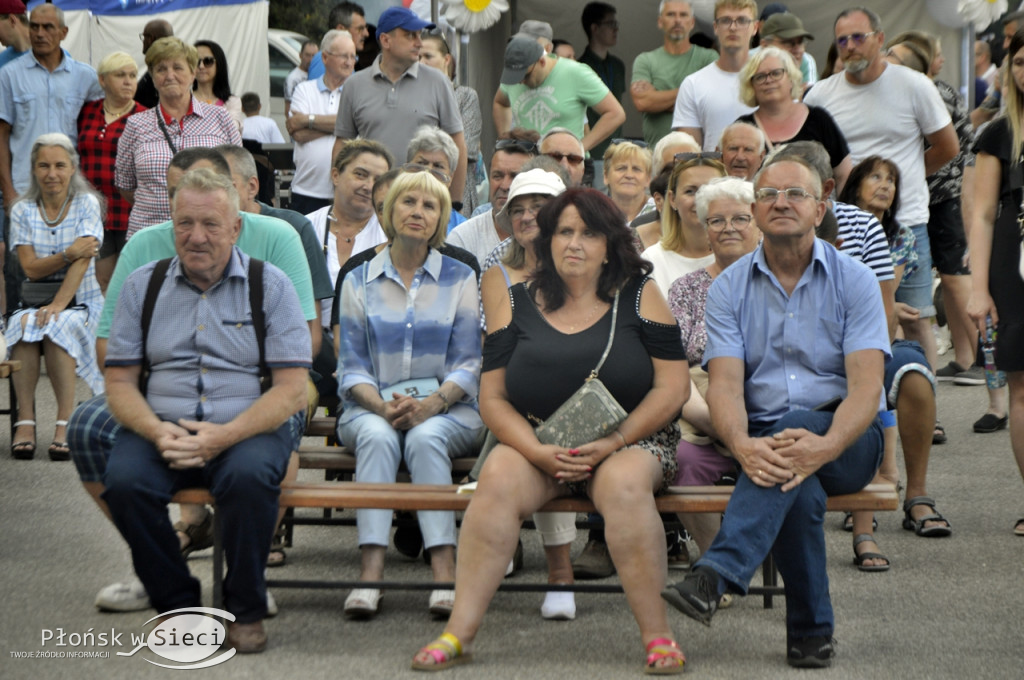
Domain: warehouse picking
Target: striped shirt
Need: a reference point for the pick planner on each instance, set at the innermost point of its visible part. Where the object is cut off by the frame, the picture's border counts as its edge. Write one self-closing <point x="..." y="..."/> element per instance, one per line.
<point x="143" y="155"/>
<point x="863" y="239"/>
<point x="390" y="334"/>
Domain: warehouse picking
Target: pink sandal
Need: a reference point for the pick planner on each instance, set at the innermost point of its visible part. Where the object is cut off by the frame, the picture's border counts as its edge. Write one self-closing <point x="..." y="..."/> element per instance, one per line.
<point x="446" y="651"/>
<point x="660" y="649"/>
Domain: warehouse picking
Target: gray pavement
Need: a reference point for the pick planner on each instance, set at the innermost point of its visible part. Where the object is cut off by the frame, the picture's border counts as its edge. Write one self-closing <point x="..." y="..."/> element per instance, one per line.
<point x="949" y="608"/>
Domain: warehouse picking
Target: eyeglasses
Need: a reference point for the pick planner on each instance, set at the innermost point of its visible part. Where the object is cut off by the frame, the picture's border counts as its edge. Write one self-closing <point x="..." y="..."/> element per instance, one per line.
<point x="737" y="222"/>
<point x="208" y="61"/>
<point x="344" y="57"/>
<point x="417" y="167"/>
<point x="857" y="38"/>
<point x="768" y="76"/>
<point x="684" y="156"/>
<point x="635" y="142"/>
<point x="518" y="212"/>
<point x="793" y="195"/>
<point x="519" y="145"/>
<point x="726" y="22"/>
<point x="571" y="157"/>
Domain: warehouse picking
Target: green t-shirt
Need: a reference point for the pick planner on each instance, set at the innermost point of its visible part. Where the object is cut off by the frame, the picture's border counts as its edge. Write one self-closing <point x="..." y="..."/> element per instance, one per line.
<point x="560" y="101"/>
<point x="262" y="237"/>
<point x="666" y="72"/>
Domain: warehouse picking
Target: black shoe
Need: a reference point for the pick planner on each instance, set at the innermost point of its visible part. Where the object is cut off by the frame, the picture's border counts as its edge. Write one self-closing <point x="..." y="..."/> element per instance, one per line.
<point x="696" y="595"/>
<point x="408" y="539"/>
<point x="990" y="422"/>
<point x="811" y="652"/>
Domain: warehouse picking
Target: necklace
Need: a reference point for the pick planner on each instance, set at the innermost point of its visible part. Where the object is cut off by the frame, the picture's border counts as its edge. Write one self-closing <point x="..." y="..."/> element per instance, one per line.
<point x="586" y="320"/>
<point x="55" y="220"/>
<point x="337" y="232"/>
<point x="117" y="114"/>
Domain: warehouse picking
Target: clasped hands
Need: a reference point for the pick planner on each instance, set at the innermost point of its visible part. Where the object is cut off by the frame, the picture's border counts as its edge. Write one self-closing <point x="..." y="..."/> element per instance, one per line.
<point x="405" y="412"/>
<point x="575" y="465"/>
<point x="787" y="457"/>
<point x="189" y="444"/>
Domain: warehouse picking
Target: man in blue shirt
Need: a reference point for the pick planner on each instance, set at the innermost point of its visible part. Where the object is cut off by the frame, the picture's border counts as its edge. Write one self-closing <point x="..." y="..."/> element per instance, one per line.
<point x="797" y="338"/>
<point x="208" y="416"/>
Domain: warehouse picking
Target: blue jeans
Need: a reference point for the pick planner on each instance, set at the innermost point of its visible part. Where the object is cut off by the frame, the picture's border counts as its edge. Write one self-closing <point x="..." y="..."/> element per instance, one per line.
<point x="245" y="481"/>
<point x="427" y="449"/>
<point x="790" y="525"/>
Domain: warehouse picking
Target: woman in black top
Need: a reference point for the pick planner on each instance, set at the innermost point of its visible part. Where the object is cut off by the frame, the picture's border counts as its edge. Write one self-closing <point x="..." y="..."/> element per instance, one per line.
<point x="544" y="338"/>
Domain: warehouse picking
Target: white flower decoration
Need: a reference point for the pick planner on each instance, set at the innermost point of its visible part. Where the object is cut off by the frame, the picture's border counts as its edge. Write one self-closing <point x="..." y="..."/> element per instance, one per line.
<point x="470" y="16"/>
<point x="981" y="13"/>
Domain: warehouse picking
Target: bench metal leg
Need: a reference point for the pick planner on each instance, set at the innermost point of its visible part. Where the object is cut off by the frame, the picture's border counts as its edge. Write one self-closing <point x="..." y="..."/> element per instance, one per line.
<point x="218" y="561"/>
<point x="770" y="575"/>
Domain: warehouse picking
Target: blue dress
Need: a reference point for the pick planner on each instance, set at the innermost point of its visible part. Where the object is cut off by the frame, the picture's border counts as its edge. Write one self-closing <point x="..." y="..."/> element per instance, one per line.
<point x="74" y="329"/>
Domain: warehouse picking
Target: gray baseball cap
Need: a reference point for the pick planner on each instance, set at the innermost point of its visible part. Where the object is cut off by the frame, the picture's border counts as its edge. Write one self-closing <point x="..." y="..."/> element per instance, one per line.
<point x="520" y="55"/>
<point x="532" y="28"/>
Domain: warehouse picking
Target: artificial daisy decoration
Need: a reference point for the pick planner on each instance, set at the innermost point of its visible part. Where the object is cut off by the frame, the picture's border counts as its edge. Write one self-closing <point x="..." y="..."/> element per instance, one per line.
<point x="470" y="16"/>
<point x="981" y="13"/>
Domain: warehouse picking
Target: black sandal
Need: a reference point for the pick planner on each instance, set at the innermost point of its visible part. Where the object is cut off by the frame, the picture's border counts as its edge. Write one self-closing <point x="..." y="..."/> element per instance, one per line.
<point x="860" y="558"/>
<point x="25" y="449"/>
<point x="918" y="525"/>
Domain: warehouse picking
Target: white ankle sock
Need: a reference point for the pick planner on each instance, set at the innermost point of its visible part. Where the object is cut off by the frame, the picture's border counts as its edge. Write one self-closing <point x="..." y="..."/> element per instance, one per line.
<point x="559" y="606"/>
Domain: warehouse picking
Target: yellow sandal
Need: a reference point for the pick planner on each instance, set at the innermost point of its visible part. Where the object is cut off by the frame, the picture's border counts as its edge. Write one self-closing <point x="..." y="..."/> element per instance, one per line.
<point x="659" y="650"/>
<point x="446" y="652"/>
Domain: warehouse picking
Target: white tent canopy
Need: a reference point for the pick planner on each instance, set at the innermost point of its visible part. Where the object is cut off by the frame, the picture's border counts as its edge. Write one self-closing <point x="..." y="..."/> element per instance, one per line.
<point x="98" y="27"/>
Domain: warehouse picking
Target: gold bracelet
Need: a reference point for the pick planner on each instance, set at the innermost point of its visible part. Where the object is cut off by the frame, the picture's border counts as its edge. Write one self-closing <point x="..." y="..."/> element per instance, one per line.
<point x="447" y="404"/>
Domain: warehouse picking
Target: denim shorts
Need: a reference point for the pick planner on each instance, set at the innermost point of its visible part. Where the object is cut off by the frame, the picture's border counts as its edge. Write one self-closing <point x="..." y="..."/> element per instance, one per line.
<point x="916" y="290"/>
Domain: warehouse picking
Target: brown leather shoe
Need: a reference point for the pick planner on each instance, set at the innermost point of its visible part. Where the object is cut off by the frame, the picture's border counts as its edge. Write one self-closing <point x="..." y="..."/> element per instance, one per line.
<point x="247" y="638"/>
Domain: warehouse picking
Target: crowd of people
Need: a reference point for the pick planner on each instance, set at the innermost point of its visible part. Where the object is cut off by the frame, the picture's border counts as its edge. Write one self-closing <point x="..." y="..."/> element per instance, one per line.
<point x="718" y="275"/>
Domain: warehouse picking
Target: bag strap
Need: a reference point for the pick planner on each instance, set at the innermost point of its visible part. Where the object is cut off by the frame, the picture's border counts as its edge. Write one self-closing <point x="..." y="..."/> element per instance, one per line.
<point x="611" y="339"/>
<point x="163" y="128"/>
<point x="259" y="320"/>
<point x="156" y="281"/>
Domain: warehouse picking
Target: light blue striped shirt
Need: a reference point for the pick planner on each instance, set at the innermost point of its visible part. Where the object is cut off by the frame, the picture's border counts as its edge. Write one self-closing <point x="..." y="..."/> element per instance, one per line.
<point x="390" y="334"/>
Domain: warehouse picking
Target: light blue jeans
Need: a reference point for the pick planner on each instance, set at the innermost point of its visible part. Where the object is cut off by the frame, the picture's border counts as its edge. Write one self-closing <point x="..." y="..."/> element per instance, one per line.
<point x="427" y="450"/>
<point x="760" y="520"/>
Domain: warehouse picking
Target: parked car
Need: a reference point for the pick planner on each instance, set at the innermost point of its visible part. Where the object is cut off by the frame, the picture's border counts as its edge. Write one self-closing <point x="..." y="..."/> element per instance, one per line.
<point x="284" y="47"/>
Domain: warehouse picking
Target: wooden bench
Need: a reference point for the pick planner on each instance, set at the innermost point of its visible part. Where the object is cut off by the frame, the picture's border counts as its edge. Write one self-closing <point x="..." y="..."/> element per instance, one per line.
<point x="402" y="496"/>
<point x="6" y="368"/>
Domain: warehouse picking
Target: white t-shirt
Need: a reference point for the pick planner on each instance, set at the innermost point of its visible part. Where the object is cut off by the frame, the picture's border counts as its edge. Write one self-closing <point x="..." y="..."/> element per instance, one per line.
<point x="477" y="235"/>
<point x="262" y="129"/>
<point x="371" y="236"/>
<point x="888" y="117"/>
<point x="670" y="265"/>
<point x="710" y="100"/>
<point x="313" y="158"/>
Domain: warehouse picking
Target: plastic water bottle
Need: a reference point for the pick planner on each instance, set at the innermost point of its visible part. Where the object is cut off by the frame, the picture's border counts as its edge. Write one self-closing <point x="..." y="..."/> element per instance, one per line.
<point x="994" y="378"/>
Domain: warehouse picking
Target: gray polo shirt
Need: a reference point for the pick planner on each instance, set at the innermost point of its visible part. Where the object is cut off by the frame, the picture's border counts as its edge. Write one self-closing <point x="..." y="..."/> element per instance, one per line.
<point x="375" y="108"/>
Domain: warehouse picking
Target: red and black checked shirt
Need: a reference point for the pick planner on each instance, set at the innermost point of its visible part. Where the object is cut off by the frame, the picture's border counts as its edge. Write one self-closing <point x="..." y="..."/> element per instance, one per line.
<point x="97" y="151"/>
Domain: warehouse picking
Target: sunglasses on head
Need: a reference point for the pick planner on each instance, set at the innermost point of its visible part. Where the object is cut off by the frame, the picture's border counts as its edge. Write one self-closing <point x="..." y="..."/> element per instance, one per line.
<point x="207" y="61"/>
<point x="635" y="142"/>
<point x="520" y="145"/>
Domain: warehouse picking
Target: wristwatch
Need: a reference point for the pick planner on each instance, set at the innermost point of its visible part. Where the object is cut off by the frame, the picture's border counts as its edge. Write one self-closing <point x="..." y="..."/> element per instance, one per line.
<point x="312" y="119"/>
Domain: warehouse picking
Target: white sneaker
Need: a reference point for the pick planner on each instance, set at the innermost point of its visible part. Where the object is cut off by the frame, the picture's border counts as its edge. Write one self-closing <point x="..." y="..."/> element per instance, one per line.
<point x="271" y="605"/>
<point x="559" y="606"/>
<point x="126" y="596"/>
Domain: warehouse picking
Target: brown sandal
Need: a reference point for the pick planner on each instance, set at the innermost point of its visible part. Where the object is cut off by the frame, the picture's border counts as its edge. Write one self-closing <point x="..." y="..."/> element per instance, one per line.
<point x="200" y="536"/>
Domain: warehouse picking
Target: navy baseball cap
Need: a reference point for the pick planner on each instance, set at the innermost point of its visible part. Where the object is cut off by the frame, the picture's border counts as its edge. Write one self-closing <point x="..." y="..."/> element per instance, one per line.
<point x="400" y="17"/>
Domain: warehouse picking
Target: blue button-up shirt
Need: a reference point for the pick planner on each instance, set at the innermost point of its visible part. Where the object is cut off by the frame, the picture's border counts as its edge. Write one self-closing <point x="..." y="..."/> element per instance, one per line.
<point x="36" y="101"/>
<point x="201" y="345"/>
<point x="390" y="334"/>
<point x="794" y="346"/>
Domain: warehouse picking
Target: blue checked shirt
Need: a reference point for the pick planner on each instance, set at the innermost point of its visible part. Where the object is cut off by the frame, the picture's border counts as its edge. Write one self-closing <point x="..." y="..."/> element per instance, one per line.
<point x="202" y="345"/>
<point x="390" y="334"/>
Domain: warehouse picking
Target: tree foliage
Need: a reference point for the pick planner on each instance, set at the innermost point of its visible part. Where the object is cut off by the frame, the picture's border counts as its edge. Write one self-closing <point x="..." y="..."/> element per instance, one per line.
<point x="308" y="17"/>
